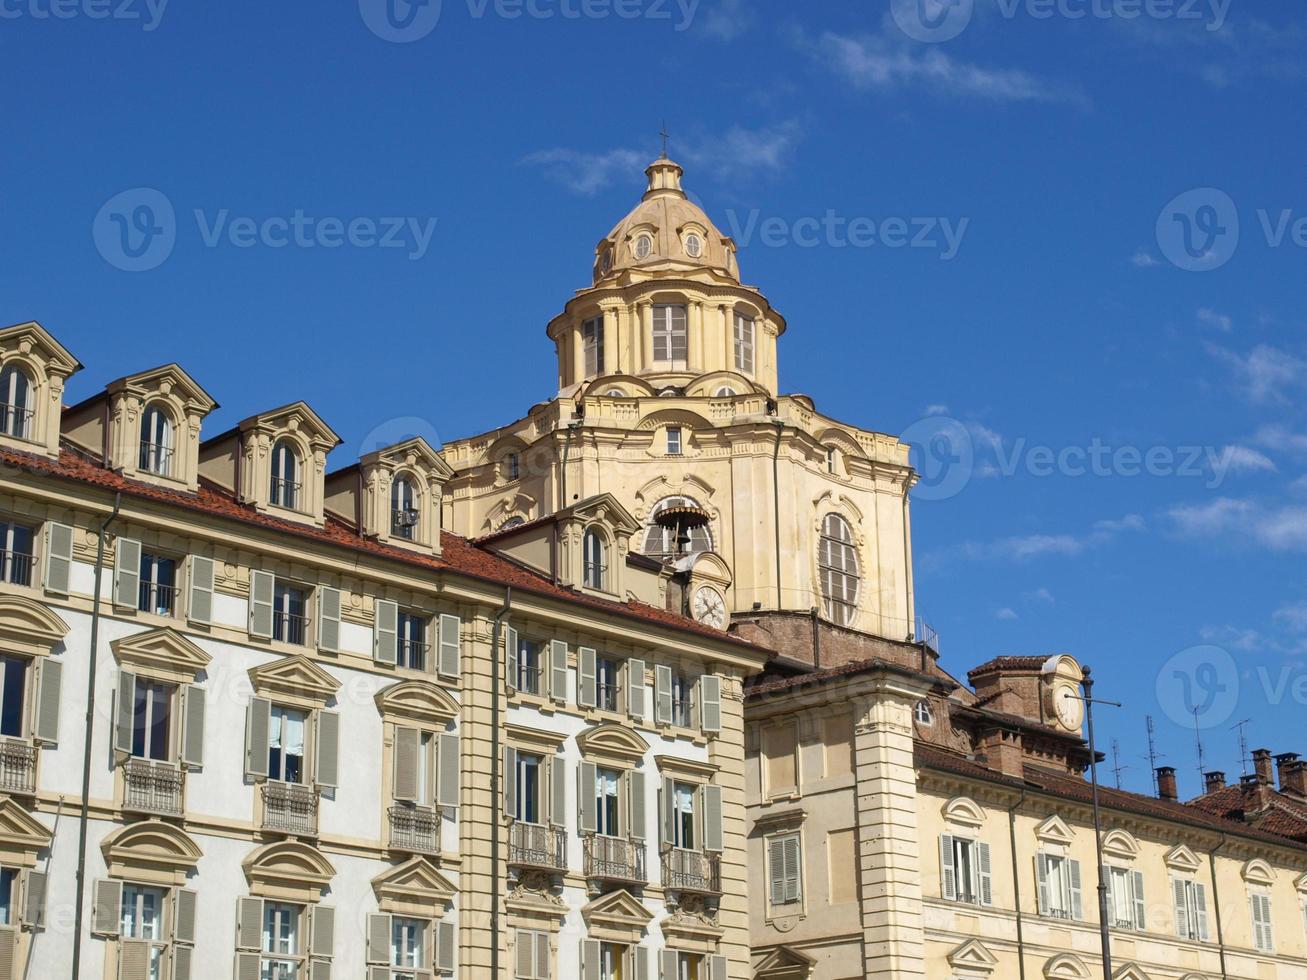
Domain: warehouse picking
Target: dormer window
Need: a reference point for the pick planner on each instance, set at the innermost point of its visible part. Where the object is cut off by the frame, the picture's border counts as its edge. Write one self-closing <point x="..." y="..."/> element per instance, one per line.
<point x="643" y="247"/>
<point x="596" y="561"/>
<point x="671" y="343"/>
<point x="156" y="441"/>
<point x="404" y="514"/>
<point x="15" y="402"/>
<point x="284" y="486"/>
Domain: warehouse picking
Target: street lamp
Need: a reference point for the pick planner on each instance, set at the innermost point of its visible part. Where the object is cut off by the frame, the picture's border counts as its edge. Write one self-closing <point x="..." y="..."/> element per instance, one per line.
<point x="1087" y="685"/>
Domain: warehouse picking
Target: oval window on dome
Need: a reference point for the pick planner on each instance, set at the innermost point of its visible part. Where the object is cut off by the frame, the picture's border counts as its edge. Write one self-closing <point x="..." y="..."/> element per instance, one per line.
<point x="693" y="246"/>
<point x="643" y="246"/>
<point x="606" y="261"/>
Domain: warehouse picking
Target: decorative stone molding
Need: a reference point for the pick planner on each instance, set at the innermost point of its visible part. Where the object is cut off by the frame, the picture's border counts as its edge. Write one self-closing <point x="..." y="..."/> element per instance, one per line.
<point x="964" y="811"/>
<point x="784" y="963"/>
<point x="1055" y="831"/>
<point x="21" y="835"/>
<point x="288" y="870"/>
<point x="1180" y="858"/>
<point x="183" y="403"/>
<point x="689" y="769"/>
<point x="693" y="925"/>
<point x="1258" y="872"/>
<point x="415" y="888"/>
<point x="533" y="739"/>
<point x="419" y="703"/>
<point x="612" y="744"/>
<point x="296" y="681"/>
<point x="28" y="627"/>
<point x="972" y="961"/>
<point x="1131" y="971"/>
<point x="1066" y="966"/>
<point x="426" y="473"/>
<point x="311" y="438"/>
<point x="617" y="917"/>
<point x="1120" y="844"/>
<point x="152" y="851"/>
<point x="161" y="654"/>
<point x="47" y="365"/>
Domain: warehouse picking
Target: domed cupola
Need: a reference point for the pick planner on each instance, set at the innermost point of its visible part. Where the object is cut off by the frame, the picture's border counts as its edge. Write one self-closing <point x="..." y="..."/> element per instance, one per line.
<point x="667" y="235"/>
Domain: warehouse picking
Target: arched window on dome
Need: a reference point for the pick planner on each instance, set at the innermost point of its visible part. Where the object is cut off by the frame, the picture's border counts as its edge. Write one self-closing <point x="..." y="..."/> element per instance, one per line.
<point x="643" y="247"/>
<point x="284" y="487"/>
<point x="660" y="542"/>
<point x="693" y="245"/>
<point x="725" y="392"/>
<point x="15" y="402"/>
<point x="837" y="561"/>
<point x="671" y="337"/>
<point x="595" y="553"/>
<point x="404" y="514"/>
<point x="156" y="441"/>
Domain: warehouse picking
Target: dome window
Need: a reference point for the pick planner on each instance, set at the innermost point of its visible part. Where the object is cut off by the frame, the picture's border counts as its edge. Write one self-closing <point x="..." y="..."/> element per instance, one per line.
<point x="693" y="246"/>
<point x="606" y="262"/>
<point x="643" y="247"/>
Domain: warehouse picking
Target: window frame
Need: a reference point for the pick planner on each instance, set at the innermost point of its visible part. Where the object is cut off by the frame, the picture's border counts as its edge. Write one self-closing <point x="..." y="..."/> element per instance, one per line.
<point x="13" y="561"/>
<point x="675" y="440"/>
<point x="835" y="554"/>
<point x="745" y="336"/>
<point x="592" y="345"/>
<point x="671" y="336"/>
<point x="11" y="408"/>
<point x="157" y="447"/>
<point x="594" y="560"/>
<point x="286" y="478"/>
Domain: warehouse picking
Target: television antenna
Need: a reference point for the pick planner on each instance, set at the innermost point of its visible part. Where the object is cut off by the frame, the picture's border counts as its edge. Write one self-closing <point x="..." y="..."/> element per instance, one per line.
<point x="1153" y="754"/>
<point x="1117" y="768"/>
<point x="1244" y="758"/>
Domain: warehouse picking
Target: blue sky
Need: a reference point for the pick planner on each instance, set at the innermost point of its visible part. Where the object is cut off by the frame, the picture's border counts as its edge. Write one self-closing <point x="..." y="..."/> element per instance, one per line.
<point x="1087" y="303"/>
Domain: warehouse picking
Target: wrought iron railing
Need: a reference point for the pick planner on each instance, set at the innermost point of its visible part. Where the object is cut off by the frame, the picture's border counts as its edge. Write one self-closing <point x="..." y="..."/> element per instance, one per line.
<point x="682" y="713"/>
<point x="17" y="766"/>
<point x="614" y="858"/>
<point x="532" y="845"/>
<point x="284" y="493"/>
<point x="153" y="787"/>
<point x="16" y="567"/>
<point x="606" y="696"/>
<point x="415" y="828"/>
<point x="692" y="871"/>
<point x="15" y="420"/>
<point x="156" y="458"/>
<point x="289" y="628"/>
<point x="412" y="653"/>
<point x="157" y="598"/>
<point x="290" y="807"/>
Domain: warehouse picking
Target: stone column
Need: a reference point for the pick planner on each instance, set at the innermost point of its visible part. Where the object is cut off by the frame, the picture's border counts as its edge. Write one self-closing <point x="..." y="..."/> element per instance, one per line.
<point x="646" y="336"/>
<point x="610" y="342"/>
<point x="728" y="338"/>
<point x="578" y="353"/>
<point x="695" y="326"/>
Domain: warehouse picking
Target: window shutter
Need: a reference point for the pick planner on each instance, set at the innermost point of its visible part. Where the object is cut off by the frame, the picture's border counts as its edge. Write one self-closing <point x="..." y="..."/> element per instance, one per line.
<point x="588" y="777"/>
<point x="322" y="931"/>
<point x="249" y="924"/>
<point x="407" y="745"/>
<point x="385" y="630"/>
<point x="510" y="783"/>
<point x="558" y="671"/>
<point x="329" y="619"/>
<point x="668" y="963"/>
<point x="200" y="607"/>
<point x="50" y="675"/>
<point x="328" y="756"/>
<point x="1077" y="909"/>
<point x="1200" y="903"/>
<point x="184" y="907"/>
<point x="586" y="694"/>
<point x="107" y="908"/>
<point x="712" y="819"/>
<point x="449" y="659"/>
<point x="717" y="968"/>
<point x="193" y="707"/>
<point x="248" y="966"/>
<point x="450" y="765"/>
<point x="445" y="942"/>
<point x="1137" y="893"/>
<point x="662" y="694"/>
<point x="543" y="956"/>
<point x="793" y="869"/>
<point x="381" y="973"/>
<point x="34" y="893"/>
<point x="181" y="962"/>
<point x="524" y="943"/>
<point x="635" y="793"/>
<point x="8" y="952"/>
<point x="319" y="970"/>
<point x="127" y="573"/>
<point x="257" y="725"/>
<point x="133" y="960"/>
<point x="125" y="715"/>
<point x="947" y="869"/>
<point x="667" y="825"/>
<point x="589" y="959"/>
<point x="984" y="874"/>
<point x="262" y="586"/>
<point x="58" y="557"/>
<point x="1041" y="875"/>
<point x="378" y="939"/>
<point x="558" y="791"/>
<point x="510" y="658"/>
<point x="635" y="689"/>
<point x="710" y="703"/>
<point x="776" y="869"/>
<point x="640" y="957"/>
<point x="1181" y="899"/>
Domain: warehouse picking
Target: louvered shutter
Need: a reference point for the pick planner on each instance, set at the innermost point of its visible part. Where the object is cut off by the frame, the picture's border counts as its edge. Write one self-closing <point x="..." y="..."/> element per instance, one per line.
<point x="58" y="557"/>
<point x="640" y="957"/>
<point x="322" y="931"/>
<point x="385" y="631"/>
<point x="319" y="969"/>
<point x="1137" y="894"/>
<point x="544" y="956"/>
<point x="667" y="823"/>
<point x="379" y="973"/>
<point x="586" y="693"/>
<point x="1180" y="898"/>
<point x="558" y="791"/>
<point x="635" y="689"/>
<point x="793" y="869"/>
<point x="378" y="939"/>
<point x="125" y="713"/>
<point x="590" y="959"/>
<point x="329" y="607"/>
<point x="717" y="968"/>
<point x="712" y="819"/>
<point x="328" y="754"/>
<point x="445" y="943"/>
<point x="34" y="893"/>
<point x="248" y="966"/>
<point x="249" y="923"/>
<point x="587" y="777"/>
<point x="408" y="743"/>
<point x="1041" y="875"/>
<point x="133" y="960"/>
<point x="450" y="765"/>
<point x="1200" y="903"/>
<point x="1077" y="906"/>
<point x="49" y="675"/>
<point x="257" y="724"/>
<point x="127" y="573"/>
<point x="984" y="874"/>
<point x="182" y="957"/>
<point x="668" y="963"/>
<point x="199" y="609"/>
<point x="525" y="943"/>
<point x="193" y="708"/>
<point x="662" y="694"/>
<point x="635" y="789"/>
<point x="449" y="662"/>
<point x="510" y="782"/>
<point x="510" y="658"/>
<point x="948" y="875"/>
<point x="185" y="904"/>
<point x="8" y="952"/>
<point x="776" y="869"/>
<point x="262" y="587"/>
<point x="107" y="908"/>
<point x="710" y="703"/>
<point x="558" y="671"/>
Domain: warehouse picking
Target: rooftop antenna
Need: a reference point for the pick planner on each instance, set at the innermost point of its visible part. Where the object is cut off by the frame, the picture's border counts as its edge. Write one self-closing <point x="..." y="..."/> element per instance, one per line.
<point x="1244" y="758"/>
<point x="1202" y="754"/>
<point x="1117" y="768"/>
<point x="666" y="136"/>
<point x="1153" y="754"/>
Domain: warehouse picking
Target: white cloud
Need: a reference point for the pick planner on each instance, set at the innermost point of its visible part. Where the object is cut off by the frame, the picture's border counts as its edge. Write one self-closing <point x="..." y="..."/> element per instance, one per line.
<point x="1029" y="546"/>
<point x="587" y="173"/>
<point x="936" y="409"/>
<point x="741" y="152"/>
<point x="1264" y="372"/>
<point x="1219" y="321"/>
<point x="1006" y="614"/>
<point x="1234" y="638"/>
<point x="1143" y="259"/>
<point x="1244" y="459"/>
<point x="1292" y="616"/>
<point x="1280" y="438"/>
<point x="1278" y="528"/>
<point x="1040" y="595"/>
<point x="727" y="20"/>
<point x="1131" y="522"/>
<point x="1214" y="517"/>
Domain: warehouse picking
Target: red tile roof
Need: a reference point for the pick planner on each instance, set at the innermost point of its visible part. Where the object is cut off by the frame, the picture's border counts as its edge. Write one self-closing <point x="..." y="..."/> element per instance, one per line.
<point x="1280" y="814"/>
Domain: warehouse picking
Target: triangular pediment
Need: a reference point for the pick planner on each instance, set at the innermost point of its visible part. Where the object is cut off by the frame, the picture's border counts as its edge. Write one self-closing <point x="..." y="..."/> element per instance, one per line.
<point x="1054" y="830"/>
<point x="35" y="341"/>
<point x="415" y="881"/>
<point x="161" y="651"/>
<point x="1131" y="971"/>
<point x="295" y="677"/>
<point x="296" y="417"/>
<point x="612" y="741"/>
<point x="171" y="379"/>
<point x="619" y="909"/>
<point x="416" y="702"/>
<point x="26" y="626"/>
<point x="1301" y="884"/>
<point x="19" y="829"/>
<point x="1067" y="966"/>
<point x="415" y="453"/>
<point x="784" y="963"/>
<point x="974" y="958"/>
<point x="1180" y="858"/>
<point x="607" y="509"/>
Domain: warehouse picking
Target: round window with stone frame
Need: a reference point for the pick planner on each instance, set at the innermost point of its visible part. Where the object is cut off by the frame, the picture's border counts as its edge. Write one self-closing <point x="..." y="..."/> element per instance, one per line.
<point x="606" y="261"/>
<point x="693" y="245"/>
<point x="643" y="247"/>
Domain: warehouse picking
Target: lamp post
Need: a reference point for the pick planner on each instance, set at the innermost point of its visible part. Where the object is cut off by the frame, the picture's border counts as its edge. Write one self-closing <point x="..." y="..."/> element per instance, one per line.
<point x="1087" y="685"/>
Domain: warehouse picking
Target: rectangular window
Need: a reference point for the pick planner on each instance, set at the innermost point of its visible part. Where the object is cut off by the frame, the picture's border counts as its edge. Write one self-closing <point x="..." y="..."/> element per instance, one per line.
<point x="407" y="942"/>
<point x="158" y="585"/>
<point x="784" y="870"/>
<point x="682" y="703"/>
<point x="152" y="720"/>
<point x="532" y="955"/>
<point x="671" y="345"/>
<point x="689" y="966"/>
<point x="743" y="344"/>
<point x="8" y="878"/>
<point x="289" y="614"/>
<point x="837" y="744"/>
<point x="142" y="919"/>
<point x="13" y="696"/>
<point x="411" y="643"/>
<point x="1122" y="898"/>
<point x="529" y="776"/>
<point x="683" y="830"/>
<point x="592" y="336"/>
<point x="530" y="665"/>
<point x="607" y="672"/>
<point x="281" y="942"/>
<point x="964" y="864"/>
<point x="16" y="558"/>
<point x="1263" y="928"/>
<point x="612" y="959"/>
<point x="426" y="786"/>
<point x="1059" y="886"/>
<point x="607" y="785"/>
<point x="1190" y="898"/>
<point x="673" y="440"/>
<point x="286" y="744"/>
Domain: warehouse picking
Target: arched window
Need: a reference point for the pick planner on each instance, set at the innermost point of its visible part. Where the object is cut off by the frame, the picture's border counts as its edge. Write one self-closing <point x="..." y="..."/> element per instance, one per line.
<point x="923" y="713"/>
<point x="156" y="441"/>
<point x="403" y="510"/>
<point x="15" y="402"/>
<point x="725" y="392"/>
<point x="596" y="560"/>
<point x="837" y="559"/>
<point x="284" y="490"/>
<point x="511" y="523"/>
<point x="660" y="542"/>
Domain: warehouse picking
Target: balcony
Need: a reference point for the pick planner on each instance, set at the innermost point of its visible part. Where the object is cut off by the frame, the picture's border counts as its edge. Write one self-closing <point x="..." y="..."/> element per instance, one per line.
<point x="615" y="859"/>
<point x="17" y="766"/>
<point x="16" y="567"/>
<point x="415" y="829"/>
<point x="290" y="628"/>
<point x="290" y="808"/>
<point x="532" y="845"/>
<point x="16" y="420"/>
<point x="692" y="871"/>
<point x="157" y="598"/>
<point x="155" y="458"/>
<point x="153" y="787"/>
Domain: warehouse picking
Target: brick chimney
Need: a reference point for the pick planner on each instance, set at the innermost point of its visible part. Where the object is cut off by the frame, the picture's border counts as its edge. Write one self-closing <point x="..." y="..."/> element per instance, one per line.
<point x="1166" y="784"/>
<point x="1215" y="781"/>
<point x="1002" y="751"/>
<point x="1293" y="780"/>
<point x="1282" y="763"/>
<point x="1265" y="770"/>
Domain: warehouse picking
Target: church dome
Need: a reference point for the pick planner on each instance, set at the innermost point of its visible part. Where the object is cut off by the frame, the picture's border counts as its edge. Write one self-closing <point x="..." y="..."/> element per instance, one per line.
<point x="666" y="235"/>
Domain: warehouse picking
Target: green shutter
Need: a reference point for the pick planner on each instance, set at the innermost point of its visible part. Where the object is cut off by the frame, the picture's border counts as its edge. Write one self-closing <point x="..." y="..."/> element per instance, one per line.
<point x="558" y="671"/>
<point x="127" y="573"/>
<point x="635" y="790"/>
<point x="34" y="893"/>
<point x="586" y="693"/>
<point x="408" y="743"/>
<point x="193" y="707"/>
<point x="125" y="713"/>
<point x="588" y="777"/>
<point x="107" y="908"/>
<point x="712" y="819"/>
<point x="510" y="658"/>
<point x="710" y="703"/>
<point x="328" y="749"/>
<point x="635" y="689"/>
<point x="449" y="661"/>
<point x="50" y="675"/>
<point x="257" y="726"/>
<point x="185" y="904"/>
<point x="450" y="765"/>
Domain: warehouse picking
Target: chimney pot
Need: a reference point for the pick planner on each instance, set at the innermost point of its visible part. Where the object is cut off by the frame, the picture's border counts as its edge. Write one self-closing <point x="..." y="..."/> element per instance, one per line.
<point x="1166" y="788"/>
<point x="1262" y="763"/>
<point x="1293" y="779"/>
<point x="1215" y="781"/>
<point x="1283" y="762"/>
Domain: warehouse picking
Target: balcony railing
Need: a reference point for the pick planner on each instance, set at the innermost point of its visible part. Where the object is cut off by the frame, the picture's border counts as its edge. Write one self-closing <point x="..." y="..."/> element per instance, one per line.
<point x="16" y="567"/>
<point x="157" y="598"/>
<point x="415" y="829"/>
<point x="615" y="859"/>
<point x="682" y="713"/>
<point x="289" y="628"/>
<point x="533" y="845"/>
<point x="16" y="420"/>
<point x="153" y="787"/>
<point x="156" y="458"/>
<point x="284" y="493"/>
<point x="606" y="697"/>
<point x="17" y="766"/>
<point x="412" y="653"/>
<point x="692" y="871"/>
<point x="290" y="808"/>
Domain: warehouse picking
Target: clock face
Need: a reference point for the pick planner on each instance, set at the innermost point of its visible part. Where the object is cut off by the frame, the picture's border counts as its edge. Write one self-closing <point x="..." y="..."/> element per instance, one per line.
<point x="1070" y="709"/>
<point x="710" y="607"/>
